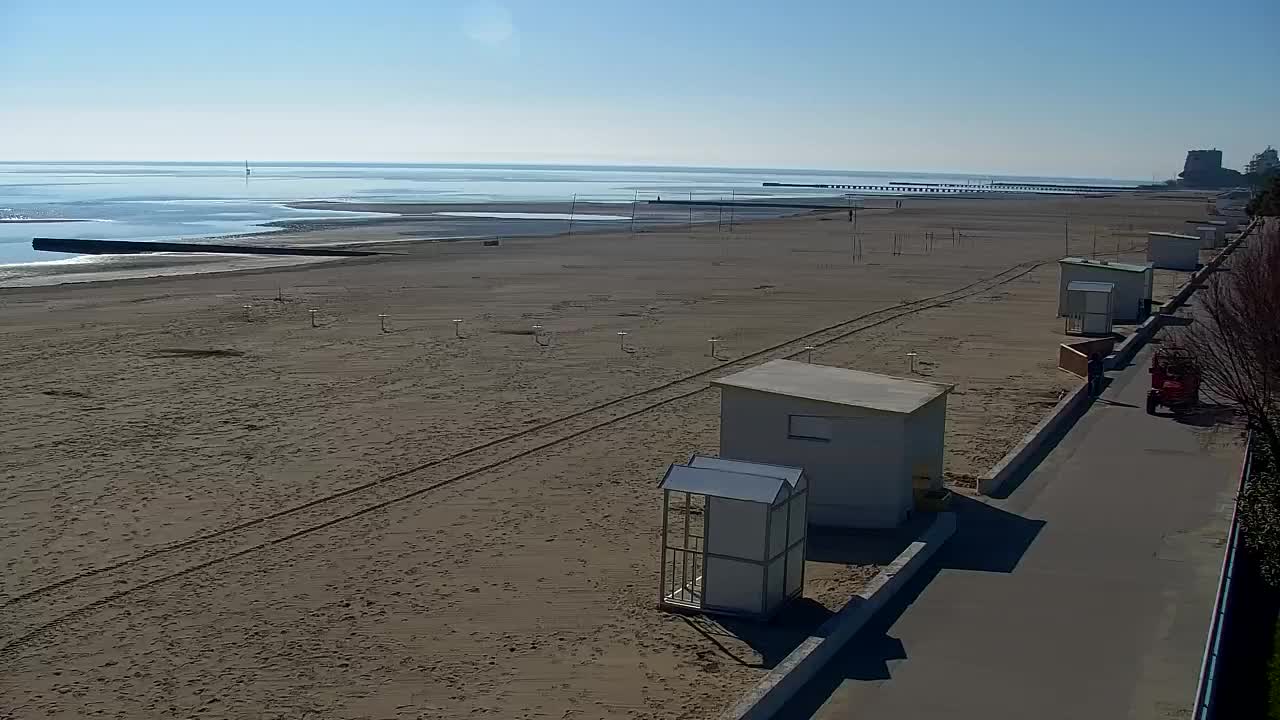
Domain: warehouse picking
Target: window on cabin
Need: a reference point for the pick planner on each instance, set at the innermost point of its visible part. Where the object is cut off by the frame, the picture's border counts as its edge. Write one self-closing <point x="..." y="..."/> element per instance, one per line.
<point x="809" y="427"/>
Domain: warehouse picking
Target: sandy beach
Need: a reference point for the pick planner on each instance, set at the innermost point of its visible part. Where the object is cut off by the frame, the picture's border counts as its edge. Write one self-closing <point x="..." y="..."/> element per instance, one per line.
<point x="214" y="511"/>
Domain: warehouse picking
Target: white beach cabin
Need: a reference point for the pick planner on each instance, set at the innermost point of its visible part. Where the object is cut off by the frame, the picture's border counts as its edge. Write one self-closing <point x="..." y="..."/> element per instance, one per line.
<point x="864" y="440"/>
<point x="1131" y="294"/>
<point x="733" y="536"/>
<point x="1228" y="223"/>
<point x="1208" y="236"/>
<point x="1090" y="308"/>
<point x="1173" y="251"/>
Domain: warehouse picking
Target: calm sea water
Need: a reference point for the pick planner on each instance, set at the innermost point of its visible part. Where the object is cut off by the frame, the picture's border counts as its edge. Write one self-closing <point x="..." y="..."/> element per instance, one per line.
<point x="151" y="201"/>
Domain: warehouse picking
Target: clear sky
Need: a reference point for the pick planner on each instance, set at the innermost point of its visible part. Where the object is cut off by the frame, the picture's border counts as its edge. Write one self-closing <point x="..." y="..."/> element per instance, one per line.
<point x="1119" y="88"/>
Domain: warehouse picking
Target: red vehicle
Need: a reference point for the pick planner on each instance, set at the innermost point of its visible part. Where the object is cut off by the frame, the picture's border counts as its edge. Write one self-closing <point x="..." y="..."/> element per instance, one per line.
<point x="1175" y="381"/>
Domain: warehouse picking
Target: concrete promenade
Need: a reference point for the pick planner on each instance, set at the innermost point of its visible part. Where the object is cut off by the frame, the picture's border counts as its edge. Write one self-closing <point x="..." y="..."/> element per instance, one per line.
<point x="1086" y="593"/>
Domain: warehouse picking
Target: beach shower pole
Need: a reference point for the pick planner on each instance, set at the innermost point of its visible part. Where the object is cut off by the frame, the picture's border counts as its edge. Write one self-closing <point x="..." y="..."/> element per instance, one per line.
<point x="690" y="211"/>
<point x="808" y="353"/>
<point x="911" y="361"/>
<point x="622" y="340"/>
<point x="457" y="325"/>
<point x="635" y="199"/>
<point x="573" y="205"/>
<point x="853" y="246"/>
<point x="382" y="322"/>
<point x="247" y="310"/>
<point x="733" y="198"/>
<point x="312" y="313"/>
<point x="713" y="342"/>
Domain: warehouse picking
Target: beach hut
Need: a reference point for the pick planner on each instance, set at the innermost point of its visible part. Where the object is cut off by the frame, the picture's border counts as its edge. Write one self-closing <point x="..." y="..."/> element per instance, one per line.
<point x="1090" y="307"/>
<point x="1224" y="203"/>
<point x="865" y="441"/>
<point x="1173" y="251"/>
<point x="1225" y="224"/>
<point x="1208" y="236"/>
<point x="1131" y="294"/>
<point x="733" y="536"/>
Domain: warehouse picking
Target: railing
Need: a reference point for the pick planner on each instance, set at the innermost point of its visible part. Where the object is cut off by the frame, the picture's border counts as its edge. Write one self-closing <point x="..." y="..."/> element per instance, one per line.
<point x="1209" y="666"/>
<point x="684" y="571"/>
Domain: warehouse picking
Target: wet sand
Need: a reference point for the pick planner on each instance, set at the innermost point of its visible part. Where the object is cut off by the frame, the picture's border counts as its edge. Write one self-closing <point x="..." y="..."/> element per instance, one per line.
<point x="155" y="429"/>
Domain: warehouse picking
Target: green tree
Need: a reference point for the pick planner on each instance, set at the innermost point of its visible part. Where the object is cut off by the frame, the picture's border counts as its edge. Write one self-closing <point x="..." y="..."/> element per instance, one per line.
<point x="1266" y="202"/>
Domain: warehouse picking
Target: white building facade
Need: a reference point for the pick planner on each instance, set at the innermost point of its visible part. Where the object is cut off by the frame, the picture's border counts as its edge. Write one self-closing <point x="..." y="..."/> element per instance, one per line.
<point x="1131" y="294"/>
<point x="864" y="440"/>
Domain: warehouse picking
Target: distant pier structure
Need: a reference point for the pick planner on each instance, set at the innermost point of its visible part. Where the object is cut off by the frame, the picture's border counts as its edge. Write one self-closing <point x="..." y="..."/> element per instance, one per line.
<point x="959" y="188"/>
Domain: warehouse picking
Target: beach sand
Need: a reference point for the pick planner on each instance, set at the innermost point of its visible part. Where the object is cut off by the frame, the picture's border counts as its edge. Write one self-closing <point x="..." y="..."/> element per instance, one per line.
<point x="154" y="429"/>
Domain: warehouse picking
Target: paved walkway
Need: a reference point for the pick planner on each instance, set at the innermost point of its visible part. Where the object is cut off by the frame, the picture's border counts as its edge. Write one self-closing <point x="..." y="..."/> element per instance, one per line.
<point x="1085" y="594"/>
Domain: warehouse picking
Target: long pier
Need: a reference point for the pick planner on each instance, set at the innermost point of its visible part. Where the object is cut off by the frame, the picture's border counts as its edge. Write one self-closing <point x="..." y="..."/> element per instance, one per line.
<point x="946" y="189"/>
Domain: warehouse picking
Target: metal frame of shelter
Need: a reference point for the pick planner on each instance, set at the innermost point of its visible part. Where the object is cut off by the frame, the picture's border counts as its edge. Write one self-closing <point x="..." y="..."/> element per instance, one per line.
<point x="684" y="567"/>
<point x="1078" y="313"/>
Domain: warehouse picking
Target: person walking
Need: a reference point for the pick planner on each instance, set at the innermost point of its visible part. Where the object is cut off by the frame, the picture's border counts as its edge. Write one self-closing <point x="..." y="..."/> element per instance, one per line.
<point x="1094" y="372"/>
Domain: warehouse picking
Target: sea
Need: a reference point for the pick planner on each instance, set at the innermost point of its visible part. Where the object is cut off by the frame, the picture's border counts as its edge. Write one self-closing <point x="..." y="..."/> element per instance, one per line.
<point x="198" y="200"/>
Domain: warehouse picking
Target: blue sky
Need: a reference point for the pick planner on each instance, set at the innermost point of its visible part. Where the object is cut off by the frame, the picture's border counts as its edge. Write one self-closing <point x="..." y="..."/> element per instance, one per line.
<point x="1114" y="89"/>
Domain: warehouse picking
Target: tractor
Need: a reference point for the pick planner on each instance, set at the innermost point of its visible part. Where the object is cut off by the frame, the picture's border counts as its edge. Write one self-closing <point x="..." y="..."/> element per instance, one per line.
<point x="1175" y="381"/>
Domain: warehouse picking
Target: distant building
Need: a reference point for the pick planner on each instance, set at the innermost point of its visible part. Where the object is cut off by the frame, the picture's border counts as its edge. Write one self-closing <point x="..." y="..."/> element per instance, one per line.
<point x="1203" y="168"/>
<point x="1202" y="162"/>
<point x="1264" y="161"/>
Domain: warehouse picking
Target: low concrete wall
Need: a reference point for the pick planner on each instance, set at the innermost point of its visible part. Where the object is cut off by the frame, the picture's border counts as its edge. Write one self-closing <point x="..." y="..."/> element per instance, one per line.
<point x="1074" y="357"/>
<point x="993" y="481"/>
<point x="768" y="697"/>
<point x="1151" y="325"/>
<point x="1069" y="407"/>
<point x="1130" y="346"/>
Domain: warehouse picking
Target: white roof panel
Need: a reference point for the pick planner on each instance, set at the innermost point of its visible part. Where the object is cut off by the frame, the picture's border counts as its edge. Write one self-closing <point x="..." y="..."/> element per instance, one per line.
<point x="783" y="472"/>
<point x="723" y="484"/>
<point x="1106" y="264"/>
<point x="835" y="385"/>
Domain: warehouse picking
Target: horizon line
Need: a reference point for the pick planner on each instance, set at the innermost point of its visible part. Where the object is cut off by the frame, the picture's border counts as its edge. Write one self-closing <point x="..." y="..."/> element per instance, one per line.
<point x="573" y="165"/>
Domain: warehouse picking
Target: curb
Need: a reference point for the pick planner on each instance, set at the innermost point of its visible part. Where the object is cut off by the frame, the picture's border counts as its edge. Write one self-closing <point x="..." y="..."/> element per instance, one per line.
<point x="769" y="696"/>
<point x="992" y="481"/>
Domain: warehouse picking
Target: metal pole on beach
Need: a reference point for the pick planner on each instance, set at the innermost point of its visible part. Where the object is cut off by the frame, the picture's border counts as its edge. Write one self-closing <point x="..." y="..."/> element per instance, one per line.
<point x="573" y="205"/>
